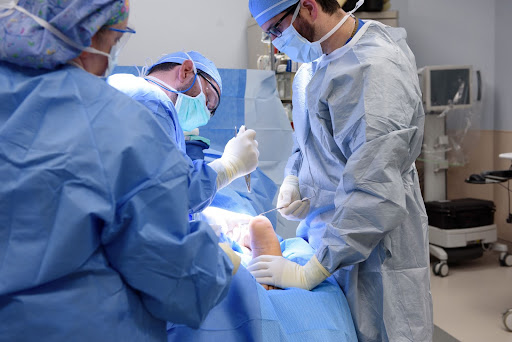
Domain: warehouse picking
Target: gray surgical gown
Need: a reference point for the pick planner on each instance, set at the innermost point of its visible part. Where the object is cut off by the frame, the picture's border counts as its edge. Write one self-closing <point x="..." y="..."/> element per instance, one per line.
<point x="358" y="120"/>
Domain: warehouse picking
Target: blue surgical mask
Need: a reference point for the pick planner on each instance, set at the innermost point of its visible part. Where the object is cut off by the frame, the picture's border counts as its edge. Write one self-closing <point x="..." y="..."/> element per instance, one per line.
<point x="192" y="111"/>
<point x="300" y="49"/>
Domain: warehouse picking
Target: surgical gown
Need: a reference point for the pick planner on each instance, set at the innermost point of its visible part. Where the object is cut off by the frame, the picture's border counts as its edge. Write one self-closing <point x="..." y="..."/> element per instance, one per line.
<point x="95" y="243"/>
<point x="202" y="178"/>
<point x="358" y="120"/>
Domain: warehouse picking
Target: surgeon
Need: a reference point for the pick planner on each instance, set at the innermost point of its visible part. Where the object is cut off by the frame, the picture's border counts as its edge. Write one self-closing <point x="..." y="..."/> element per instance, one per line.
<point x="95" y="242"/>
<point x="183" y="90"/>
<point x="351" y="179"/>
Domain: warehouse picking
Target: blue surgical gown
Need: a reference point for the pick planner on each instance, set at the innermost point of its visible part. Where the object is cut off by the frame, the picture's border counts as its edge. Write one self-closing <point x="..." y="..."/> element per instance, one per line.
<point x="202" y="178"/>
<point x="95" y="243"/>
<point x="358" y="121"/>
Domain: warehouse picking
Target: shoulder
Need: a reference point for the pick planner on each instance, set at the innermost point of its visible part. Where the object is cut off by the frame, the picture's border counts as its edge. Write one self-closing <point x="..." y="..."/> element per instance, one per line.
<point x="134" y="86"/>
<point x="143" y="92"/>
<point x="104" y="106"/>
<point x="380" y="51"/>
<point x="381" y="44"/>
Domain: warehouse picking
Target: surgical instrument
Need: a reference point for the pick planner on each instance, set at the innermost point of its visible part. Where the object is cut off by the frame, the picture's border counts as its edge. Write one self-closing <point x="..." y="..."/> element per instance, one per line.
<point x="285" y="206"/>
<point x="248" y="176"/>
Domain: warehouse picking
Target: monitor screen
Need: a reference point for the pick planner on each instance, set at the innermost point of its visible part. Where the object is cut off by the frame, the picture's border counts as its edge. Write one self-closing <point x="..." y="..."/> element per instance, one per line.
<point x="448" y="86"/>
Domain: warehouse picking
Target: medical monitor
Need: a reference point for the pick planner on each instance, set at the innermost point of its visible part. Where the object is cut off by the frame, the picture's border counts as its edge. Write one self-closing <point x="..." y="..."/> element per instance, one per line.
<point x="447" y="87"/>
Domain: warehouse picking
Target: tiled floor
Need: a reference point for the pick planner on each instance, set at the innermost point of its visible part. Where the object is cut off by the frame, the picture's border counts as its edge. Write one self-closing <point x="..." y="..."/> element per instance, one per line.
<point x="469" y="302"/>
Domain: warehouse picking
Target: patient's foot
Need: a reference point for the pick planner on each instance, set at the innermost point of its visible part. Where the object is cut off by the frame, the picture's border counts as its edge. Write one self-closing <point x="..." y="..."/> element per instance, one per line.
<point x="263" y="240"/>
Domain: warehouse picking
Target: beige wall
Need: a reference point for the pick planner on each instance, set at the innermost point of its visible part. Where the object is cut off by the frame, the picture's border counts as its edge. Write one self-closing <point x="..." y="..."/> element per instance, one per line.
<point x="484" y="148"/>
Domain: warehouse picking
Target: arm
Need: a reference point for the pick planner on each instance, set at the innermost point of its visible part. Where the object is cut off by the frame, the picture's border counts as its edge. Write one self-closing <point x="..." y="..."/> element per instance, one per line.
<point x="300" y="82"/>
<point x="375" y="131"/>
<point x="295" y="160"/>
<point x="290" y="198"/>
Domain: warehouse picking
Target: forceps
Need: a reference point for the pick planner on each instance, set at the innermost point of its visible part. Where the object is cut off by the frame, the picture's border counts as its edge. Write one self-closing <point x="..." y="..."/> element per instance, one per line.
<point x="248" y="176"/>
<point x="284" y="206"/>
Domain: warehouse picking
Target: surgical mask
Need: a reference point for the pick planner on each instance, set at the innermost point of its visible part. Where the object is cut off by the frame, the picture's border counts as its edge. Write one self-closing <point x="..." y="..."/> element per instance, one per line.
<point x="11" y="6"/>
<point x="112" y="58"/>
<point x="300" y="49"/>
<point x="192" y="111"/>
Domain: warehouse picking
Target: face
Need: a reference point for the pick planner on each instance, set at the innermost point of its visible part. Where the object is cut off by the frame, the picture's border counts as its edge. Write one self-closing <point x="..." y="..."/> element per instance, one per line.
<point x="305" y="29"/>
<point x="275" y="26"/>
<point x="104" y="40"/>
<point x="210" y="88"/>
<point x="278" y="24"/>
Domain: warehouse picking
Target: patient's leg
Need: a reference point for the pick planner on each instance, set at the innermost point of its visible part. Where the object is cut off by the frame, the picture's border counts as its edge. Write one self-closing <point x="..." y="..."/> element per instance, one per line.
<point x="263" y="240"/>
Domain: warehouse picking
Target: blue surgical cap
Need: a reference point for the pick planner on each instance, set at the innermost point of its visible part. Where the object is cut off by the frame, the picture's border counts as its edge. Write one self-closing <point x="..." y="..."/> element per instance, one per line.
<point x="201" y="62"/>
<point x="26" y="43"/>
<point x="264" y="10"/>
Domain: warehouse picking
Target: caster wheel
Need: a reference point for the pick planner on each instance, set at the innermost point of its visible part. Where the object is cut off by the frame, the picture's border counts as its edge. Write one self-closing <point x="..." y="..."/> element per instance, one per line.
<point x="507" y="319"/>
<point x="441" y="269"/>
<point x="506" y="260"/>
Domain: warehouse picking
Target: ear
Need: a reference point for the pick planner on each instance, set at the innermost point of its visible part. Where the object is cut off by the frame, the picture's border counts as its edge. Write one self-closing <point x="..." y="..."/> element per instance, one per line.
<point x="309" y="9"/>
<point x="186" y="70"/>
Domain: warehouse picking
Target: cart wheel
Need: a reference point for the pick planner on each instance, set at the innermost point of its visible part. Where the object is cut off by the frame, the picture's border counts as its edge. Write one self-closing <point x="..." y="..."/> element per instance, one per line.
<point x="440" y="269"/>
<point x="507" y="319"/>
<point x="506" y="260"/>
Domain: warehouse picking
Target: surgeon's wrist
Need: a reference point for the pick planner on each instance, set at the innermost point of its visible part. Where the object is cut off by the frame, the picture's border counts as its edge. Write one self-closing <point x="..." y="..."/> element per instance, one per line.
<point x="292" y="180"/>
<point x="314" y="273"/>
<point x="225" y="171"/>
<point x="235" y="258"/>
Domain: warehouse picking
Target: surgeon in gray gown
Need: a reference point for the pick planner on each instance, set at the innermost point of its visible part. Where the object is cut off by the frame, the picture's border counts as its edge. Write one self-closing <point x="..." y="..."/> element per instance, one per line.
<point x="351" y="179"/>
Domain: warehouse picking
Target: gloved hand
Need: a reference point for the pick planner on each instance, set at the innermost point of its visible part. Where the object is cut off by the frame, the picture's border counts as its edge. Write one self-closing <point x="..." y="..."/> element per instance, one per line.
<point x="235" y="258"/>
<point x="290" y="198"/>
<point x="240" y="158"/>
<point x="283" y="273"/>
<point x="237" y="228"/>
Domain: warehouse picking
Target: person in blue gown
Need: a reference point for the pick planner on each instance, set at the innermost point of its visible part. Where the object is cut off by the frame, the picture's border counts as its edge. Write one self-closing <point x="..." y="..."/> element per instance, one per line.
<point x="183" y="90"/>
<point x="351" y="178"/>
<point x="95" y="241"/>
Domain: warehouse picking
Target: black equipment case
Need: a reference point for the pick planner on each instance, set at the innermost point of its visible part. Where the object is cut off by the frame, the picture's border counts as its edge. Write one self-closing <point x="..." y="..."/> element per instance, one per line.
<point x="460" y="213"/>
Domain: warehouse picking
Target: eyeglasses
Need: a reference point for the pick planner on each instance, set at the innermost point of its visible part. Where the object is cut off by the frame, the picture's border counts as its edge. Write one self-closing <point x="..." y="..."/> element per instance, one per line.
<point x="127" y="30"/>
<point x="122" y="39"/>
<point x="212" y="97"/>
<point x="274" y="29"/>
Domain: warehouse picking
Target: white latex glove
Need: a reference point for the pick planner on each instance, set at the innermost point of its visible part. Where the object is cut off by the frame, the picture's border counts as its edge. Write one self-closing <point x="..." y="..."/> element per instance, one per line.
<point x="283" y="273"/>
<point x="290" y="198"/>
<point x="240" y="158"/>
<point x="235" y="258"/>
<point x="236" y="227"/>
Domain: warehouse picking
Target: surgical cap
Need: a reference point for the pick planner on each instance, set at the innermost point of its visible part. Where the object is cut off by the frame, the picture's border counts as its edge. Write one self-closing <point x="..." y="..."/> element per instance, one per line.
<point x="201" y="62"/>
<point x="26" y="43"/>
<point x="264" y="10"/>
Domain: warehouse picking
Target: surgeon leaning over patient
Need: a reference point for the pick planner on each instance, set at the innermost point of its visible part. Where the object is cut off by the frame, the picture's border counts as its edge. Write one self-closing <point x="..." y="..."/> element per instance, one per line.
<point x="358" y="121"/>
<point x="95" y="242"/>
<point x="183" y="90"/>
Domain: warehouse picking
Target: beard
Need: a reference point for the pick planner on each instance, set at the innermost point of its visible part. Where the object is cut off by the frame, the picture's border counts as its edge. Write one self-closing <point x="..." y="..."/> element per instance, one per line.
<point x="189" y="84"/>
<point x="305" y="29"/>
